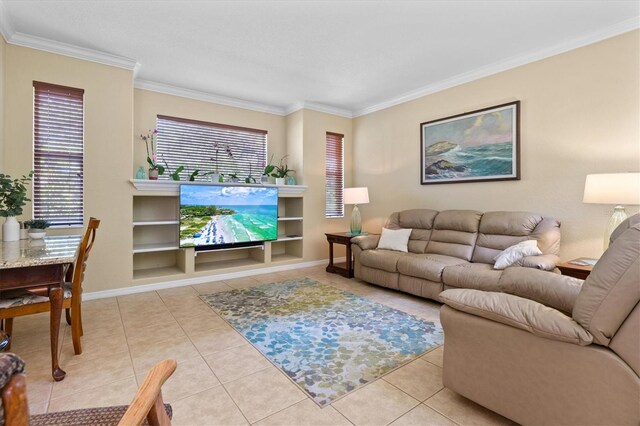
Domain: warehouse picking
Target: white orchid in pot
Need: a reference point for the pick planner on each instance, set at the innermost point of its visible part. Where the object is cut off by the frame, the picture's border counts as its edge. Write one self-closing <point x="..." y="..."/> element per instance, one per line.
<point x="13" y="197"/>
<point x="155" y="169"/>
<point x="216" y="176"/>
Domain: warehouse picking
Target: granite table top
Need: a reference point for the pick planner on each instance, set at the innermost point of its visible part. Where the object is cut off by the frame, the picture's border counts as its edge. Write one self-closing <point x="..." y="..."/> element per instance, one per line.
<point x="47" y="251"/>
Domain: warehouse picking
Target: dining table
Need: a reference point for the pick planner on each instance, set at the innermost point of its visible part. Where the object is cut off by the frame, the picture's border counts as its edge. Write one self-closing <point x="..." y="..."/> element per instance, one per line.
<point x="40" y="263"/>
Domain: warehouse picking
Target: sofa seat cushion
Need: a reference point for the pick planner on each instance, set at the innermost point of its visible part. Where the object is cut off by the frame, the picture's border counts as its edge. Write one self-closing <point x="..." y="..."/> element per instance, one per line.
<point x="477" y="276"/>
<point x="427" y="266"/>
<point x="387" y="260"/>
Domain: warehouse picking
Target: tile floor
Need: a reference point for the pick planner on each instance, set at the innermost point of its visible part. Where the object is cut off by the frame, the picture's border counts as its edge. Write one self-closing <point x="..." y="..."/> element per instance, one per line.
<point x="221" y="379"/>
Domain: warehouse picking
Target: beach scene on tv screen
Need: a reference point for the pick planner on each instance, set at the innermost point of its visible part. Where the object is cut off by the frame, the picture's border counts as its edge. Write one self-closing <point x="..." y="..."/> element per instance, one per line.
<point x="214" y="215"/>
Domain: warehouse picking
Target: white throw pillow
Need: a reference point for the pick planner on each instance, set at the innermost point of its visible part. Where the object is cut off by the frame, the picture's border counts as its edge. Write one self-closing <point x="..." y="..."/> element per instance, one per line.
<point x="512" y="254"/>
<point x="394" y="239"/>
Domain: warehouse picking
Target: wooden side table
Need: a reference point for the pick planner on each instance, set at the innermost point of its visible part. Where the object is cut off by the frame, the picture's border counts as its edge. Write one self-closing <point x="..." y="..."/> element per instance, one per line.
<point x="346" y="270"/>
<point x="574" y="270"/>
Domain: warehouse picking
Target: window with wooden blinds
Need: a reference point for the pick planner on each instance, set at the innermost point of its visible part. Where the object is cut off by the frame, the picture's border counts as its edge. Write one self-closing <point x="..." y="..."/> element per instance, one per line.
<point x="193" y="144"/>
<point x="58" y="154"/>
<point x="334" y="175"/>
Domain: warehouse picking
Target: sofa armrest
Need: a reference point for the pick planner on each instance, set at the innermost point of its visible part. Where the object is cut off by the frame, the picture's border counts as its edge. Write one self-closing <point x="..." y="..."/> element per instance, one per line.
<point x="554" y="290"/>
<point x="519" y="313"/>
<point x="545" y="262"/>
<point x="366" y="242"/>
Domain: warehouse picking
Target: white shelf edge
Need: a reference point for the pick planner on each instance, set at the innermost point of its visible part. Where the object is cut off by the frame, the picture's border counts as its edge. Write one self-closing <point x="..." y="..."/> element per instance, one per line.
<point x="155" y="222"/>
<point x="173" y="186"/>
<point x="280" y="239"/>
<point x="289" y="218"/>
<point x="148" y="248"/>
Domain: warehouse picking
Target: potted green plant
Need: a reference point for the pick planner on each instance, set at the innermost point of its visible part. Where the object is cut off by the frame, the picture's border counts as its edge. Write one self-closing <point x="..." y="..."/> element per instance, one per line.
<point x="155" y="169"/>
<point x="37" y="228"/>
<point x="234" y="177"/>
<point x="13" y="197"/>
<point x="281" y="172"/>
<point x="268" y="169"/>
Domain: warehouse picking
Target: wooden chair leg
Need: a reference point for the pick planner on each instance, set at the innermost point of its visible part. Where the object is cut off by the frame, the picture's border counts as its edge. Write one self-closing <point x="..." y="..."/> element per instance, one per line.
<point x="79" y="308"/>
<point x="67" y="314"/>
<point x="8" y="328"/>
<point x="76" y="327"/>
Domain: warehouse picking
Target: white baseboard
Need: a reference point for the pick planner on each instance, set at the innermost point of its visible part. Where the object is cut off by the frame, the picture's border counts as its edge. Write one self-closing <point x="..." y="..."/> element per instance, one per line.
<point x="205" y="279"/>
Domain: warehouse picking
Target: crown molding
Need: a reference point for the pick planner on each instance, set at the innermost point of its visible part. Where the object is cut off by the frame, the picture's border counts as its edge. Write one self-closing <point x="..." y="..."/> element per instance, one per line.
<point x="314" y="106"/>
<point x="206" y="97"/>
<point x="39" y="43"/>
<point x="507" y="64"/>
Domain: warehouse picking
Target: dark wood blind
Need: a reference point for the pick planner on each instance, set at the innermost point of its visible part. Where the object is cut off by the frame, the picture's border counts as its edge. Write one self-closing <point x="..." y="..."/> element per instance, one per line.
<point x="58" y="153"/>
<point x="334" y="175"/>
<point x="191" y="143"/>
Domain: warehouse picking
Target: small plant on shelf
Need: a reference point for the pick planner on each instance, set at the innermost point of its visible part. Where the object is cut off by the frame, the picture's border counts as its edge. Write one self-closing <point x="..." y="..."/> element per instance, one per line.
<point x="216" y="149"/>
<point x="268" y="169"/>
<point x="282" y="170"/>
<point x="250" y="179"/>
<point x="155" y="169"/>
<point x="39" y="224"/>
<point x="37" y="228"/>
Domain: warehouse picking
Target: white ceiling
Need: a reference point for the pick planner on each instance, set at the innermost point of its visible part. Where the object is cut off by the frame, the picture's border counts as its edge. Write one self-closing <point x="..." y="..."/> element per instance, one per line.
<point x="349" y="56"/>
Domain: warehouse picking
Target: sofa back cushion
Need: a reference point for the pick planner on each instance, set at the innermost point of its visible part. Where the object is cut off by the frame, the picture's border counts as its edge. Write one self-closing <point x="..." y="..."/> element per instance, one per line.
<point x="421" y="223"/>
<point x="454" y="233"/>
<point x="612" y="290"/>
<point x="500" y="230"/>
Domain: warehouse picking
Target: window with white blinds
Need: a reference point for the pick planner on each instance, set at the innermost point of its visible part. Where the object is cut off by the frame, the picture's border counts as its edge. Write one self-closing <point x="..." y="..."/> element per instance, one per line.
<point x="334" y="175"/>
<point x="58" y="153"/>
<point x="193" y="144"/>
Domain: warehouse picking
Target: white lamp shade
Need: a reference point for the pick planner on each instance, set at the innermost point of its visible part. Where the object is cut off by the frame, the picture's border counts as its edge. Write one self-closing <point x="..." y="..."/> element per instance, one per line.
<point x="356" y="195"/>
<point x="612" y="188"/>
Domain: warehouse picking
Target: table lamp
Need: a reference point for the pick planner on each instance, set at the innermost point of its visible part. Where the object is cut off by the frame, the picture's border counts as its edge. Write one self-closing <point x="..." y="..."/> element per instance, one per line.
<point x="356" y="196"/>
<point x="616" y="189"/>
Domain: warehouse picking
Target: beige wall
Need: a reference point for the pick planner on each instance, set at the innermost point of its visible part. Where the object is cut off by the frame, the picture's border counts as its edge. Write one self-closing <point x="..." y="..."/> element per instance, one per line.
<point x="3" y="47"/>
<point x="579" y="114"/>
<point x="315" y="126"/>
<point x="148" y="105"/>
<point x="108" y="101"/>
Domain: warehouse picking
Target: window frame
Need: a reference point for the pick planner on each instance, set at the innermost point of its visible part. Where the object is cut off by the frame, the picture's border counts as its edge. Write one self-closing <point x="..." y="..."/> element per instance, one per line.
<point x="250" y="134"/>
<point x="44" y="141"/>
<point x="337" y="204"/>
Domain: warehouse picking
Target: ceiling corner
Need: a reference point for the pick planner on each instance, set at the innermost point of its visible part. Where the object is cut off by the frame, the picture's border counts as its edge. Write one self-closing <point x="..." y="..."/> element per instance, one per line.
<point x="6" y="30"/>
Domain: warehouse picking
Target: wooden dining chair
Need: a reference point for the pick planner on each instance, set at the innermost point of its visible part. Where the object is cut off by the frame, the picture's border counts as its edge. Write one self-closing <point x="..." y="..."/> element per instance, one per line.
<point x="16" y="303"/>
<point x="146" y="408"/>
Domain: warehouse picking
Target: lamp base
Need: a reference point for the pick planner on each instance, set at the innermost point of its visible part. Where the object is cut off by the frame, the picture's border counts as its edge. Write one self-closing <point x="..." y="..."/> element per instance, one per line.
<point x="619" y="216"/>
<point x="356" y="221"/>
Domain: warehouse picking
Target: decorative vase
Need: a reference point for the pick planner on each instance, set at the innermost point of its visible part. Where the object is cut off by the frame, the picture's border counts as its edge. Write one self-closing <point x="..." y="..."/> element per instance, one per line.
<point x="280" y="181"/>
<point x="11" y="229"/>
<point x="215" y="177"/>
<point x="291" y="180"/>
<point x="37" y="234"/>
<point x="153" y="174"/>
<point x="141" y="174"/>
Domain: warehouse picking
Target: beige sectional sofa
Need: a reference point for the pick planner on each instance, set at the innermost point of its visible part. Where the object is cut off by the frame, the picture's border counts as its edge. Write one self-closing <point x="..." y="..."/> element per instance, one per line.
<point x="453" y="249"/>
<point x="556" y="350"/>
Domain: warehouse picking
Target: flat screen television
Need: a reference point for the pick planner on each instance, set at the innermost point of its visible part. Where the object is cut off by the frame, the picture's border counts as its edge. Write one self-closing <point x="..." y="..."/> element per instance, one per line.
<point x="215" y="217"/>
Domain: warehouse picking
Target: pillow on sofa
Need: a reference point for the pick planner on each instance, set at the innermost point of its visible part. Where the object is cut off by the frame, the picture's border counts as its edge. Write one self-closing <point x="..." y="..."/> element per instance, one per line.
<point x="394" y="239"/>
<point x="512" y="254"/>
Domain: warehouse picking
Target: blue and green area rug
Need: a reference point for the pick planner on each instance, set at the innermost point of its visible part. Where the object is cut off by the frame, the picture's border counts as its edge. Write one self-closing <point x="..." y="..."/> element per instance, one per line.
<point x="327" y="341"/>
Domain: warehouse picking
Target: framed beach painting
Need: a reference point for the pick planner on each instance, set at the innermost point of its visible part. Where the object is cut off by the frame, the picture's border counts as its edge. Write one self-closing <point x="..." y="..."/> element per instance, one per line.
<point x="477" y="146"/>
